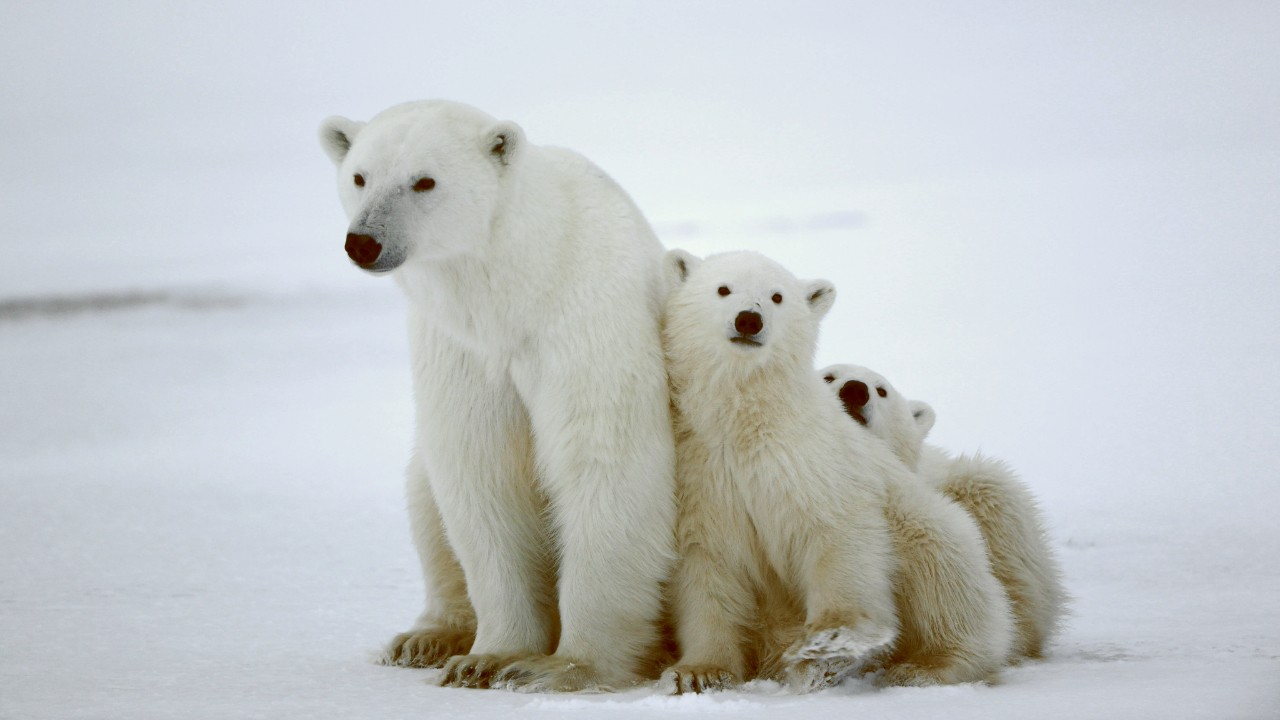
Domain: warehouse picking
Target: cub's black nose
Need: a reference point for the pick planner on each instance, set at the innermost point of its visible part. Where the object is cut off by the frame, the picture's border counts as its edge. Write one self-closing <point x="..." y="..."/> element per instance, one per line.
<point x="363" y="249"/>
<point x="748" y="322"/>
<point x="855" y="393"/>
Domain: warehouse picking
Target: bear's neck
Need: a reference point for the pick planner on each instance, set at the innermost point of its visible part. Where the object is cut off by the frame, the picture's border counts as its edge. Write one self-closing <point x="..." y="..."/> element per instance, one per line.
<point x="723" y="406"/>
<point x="487" y="294"/>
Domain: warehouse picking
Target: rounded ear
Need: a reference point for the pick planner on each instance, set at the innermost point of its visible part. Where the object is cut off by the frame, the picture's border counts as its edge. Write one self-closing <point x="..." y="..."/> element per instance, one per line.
<point x="924" y="416"/>
<point x="336" y="135"/>
<point x="821" y="295"/>
<point x="676" y="267"/>
<point x="504" y="142"/>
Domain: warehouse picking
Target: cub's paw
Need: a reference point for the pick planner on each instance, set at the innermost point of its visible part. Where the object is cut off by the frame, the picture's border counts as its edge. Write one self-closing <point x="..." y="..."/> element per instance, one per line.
<point x="427" y="648"/>
<point x="811" y="675"/>
<point x="906" y="674"/>
<point x="473" y="671"/>
<point x="683" y="679"/>
<point x="550" y="673"/>
<point x="923" y="671"/>
<point x="830" y="643"/>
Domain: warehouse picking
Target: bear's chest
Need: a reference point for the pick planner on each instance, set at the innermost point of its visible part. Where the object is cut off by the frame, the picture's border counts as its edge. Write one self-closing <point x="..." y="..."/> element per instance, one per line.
<point x="472" y="308"/>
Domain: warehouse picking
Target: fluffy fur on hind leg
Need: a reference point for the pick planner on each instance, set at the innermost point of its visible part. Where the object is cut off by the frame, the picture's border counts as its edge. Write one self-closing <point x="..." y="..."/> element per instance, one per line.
<point x="1014" y="529"/>
<point x="924" y="672"/>
<point x="956" y="622"/>
<point x="447" y="625"/>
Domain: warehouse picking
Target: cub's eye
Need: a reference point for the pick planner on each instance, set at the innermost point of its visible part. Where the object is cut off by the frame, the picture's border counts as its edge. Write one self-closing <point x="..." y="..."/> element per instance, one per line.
<point x="724" y="290"/>
<point x="777" y="300"/>
<point x="882" y="392"/>
<point x="359" y="180"/>
<point x="424" y="184"/>
<point x="830" y="378"/>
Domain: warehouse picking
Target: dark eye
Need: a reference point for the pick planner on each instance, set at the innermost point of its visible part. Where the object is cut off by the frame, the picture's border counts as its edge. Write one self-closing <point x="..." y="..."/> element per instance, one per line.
<point x="424" y="184"/>
<point x="724" y="290"/>
<point x="830" y="378"/>
<point x="882" y="392"/>
<point x="777" y="298"/>
<point x="359" y="180"/>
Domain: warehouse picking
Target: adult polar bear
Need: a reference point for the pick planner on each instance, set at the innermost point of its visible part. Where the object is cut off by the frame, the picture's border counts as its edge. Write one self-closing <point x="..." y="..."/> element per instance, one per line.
<point x="545" y="460"/>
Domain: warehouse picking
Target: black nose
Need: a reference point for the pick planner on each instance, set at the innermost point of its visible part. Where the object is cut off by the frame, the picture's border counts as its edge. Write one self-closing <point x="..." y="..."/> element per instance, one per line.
<point x="748" y="322"/>
<point x="363" y="249"/>
<point x="855" y="393"/>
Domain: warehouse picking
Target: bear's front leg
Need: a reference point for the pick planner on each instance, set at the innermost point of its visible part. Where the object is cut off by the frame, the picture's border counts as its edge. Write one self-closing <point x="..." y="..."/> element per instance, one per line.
<point x="607" y="458"/>
<point x="476" y="442"/>
<point x="447" y="626"/>
<point x="711" y="599"/>
<point x="848" y="585"/>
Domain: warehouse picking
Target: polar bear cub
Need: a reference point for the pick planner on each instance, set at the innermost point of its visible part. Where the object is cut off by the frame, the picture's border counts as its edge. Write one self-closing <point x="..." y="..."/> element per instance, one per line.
<point x="782" y="569"/>
<point x="988" y="489"/>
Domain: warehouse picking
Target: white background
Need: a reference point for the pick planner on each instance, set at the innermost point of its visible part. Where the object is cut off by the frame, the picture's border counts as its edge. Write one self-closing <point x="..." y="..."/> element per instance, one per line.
<point x="1056" y="222"/>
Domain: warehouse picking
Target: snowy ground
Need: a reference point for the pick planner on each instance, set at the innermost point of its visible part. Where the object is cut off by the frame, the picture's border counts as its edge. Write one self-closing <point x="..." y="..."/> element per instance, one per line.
<point x="203" y="518"/>
<point x="1059" y="227"/>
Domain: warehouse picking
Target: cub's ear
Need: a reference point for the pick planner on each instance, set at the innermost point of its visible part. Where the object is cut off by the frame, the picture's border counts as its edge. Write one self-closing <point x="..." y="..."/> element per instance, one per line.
<point x="923" y="415"/>
<point x="504" y="142"/>
<point x="336" y="135"/>
<point x="676" y="267"/>
<point x="821" y="295"/>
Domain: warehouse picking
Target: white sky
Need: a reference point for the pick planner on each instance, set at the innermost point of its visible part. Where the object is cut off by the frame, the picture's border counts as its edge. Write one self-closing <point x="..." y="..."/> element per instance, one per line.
<point x="150" y="130"/>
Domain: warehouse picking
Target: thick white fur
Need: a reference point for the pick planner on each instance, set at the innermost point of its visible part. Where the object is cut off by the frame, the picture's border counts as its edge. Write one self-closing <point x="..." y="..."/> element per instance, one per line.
<point x="544" y="465"/>
<point x="782" y="570"/>
<point x="1001" y="504"/>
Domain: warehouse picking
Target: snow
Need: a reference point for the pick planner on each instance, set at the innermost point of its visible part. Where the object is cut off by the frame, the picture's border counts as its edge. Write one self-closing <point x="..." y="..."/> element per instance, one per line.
<point x="1057" y="225"/>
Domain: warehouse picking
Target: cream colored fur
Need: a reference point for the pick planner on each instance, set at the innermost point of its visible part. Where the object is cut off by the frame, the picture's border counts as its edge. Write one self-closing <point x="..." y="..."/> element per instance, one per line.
<point x="783" y="572"/>
<point x="541" y="494"/>
<point x="993" y="495"/>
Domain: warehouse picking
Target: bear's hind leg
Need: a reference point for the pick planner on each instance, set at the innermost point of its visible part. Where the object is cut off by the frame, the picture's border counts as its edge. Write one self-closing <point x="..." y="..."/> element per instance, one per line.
<point x="1021" y="555"/>
<point x="956" y="622"/>
<point x="447" y="626"/>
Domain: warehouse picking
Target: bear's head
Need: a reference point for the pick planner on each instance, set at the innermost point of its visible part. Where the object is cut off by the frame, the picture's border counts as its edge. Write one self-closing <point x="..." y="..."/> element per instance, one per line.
<point x="420" y="181"/>
<point x="878" y="406"/>
<point x="741" y="310"/>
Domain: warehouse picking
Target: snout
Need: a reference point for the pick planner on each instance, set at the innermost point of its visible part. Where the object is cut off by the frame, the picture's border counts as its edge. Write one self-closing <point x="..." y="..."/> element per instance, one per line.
<point x="748" y="327"/>
<point x="855" y="394"/>
<point x="748" y="323"/>
<point x="363" y="249"/>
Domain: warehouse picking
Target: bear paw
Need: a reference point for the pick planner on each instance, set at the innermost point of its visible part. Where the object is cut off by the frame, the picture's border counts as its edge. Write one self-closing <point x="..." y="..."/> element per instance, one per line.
<point x="811" y="675"/>
<point x="473" y="671"/>
<point x="683" y="679"/>
<point x="550" y="673"/>
<point x="935" y="670"/>
<point x="428" y="647"/>
<point x="905" y="674"/>
<point x="854" y="643"/>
